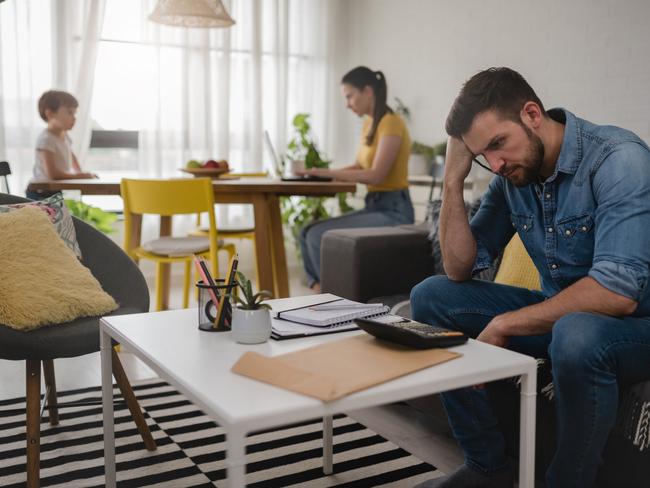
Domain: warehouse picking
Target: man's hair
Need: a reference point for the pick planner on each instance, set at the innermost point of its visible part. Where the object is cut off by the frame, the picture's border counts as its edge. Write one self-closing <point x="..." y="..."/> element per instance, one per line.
<point x="500" y="89"/>
<point x="53" y="99"/>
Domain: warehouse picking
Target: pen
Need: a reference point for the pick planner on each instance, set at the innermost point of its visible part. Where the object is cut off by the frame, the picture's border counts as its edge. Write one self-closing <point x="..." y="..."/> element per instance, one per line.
<point x="345" y="306"/>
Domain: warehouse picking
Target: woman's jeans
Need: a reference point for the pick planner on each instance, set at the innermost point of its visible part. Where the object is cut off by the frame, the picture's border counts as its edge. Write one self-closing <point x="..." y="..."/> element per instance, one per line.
<point x="382" y="209"/>
<point x="592" y="357"/>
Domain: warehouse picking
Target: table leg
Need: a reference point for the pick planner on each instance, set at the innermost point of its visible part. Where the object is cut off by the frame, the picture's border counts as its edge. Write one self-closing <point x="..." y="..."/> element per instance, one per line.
<point x="263" y="243"/>
<point x="327" y="445"/>
<point x="527" y="429"/>
<point x="107" y="408"/>
<point x="280" y="272"/>
<point x="235" y="459"/>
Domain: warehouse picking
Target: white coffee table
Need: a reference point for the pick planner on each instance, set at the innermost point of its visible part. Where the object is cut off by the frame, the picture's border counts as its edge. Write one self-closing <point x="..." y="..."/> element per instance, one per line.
<point x="198" y="365"/>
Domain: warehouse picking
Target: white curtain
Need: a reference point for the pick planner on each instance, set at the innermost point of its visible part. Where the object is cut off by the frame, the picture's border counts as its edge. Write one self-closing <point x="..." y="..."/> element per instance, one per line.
<point x="44" y="44"/>
<point x="212" y="93"/>
<point x="190" y="93"/>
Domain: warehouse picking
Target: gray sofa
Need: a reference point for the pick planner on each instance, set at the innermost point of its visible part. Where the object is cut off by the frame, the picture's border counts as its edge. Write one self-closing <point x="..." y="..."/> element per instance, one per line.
<point x="384" y="263"/>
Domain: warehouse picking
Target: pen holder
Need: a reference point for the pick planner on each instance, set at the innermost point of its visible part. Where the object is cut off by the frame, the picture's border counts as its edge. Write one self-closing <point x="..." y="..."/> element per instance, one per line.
<point x="208" y="309"/>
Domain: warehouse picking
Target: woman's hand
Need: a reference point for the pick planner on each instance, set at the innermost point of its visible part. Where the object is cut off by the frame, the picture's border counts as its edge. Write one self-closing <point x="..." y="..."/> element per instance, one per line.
<point x="458" y="161"/>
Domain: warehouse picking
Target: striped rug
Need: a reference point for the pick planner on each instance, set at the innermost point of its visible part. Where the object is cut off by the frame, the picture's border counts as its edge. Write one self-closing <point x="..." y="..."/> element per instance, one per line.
<point x="191" y="448"/>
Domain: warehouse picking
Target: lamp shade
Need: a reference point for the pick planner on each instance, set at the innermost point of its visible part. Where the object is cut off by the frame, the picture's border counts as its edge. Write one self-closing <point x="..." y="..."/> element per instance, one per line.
<point x="191" y="13"/>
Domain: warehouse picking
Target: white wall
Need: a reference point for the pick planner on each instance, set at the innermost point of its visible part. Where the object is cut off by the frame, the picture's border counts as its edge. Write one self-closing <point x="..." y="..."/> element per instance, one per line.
<point x="589" y="56"/>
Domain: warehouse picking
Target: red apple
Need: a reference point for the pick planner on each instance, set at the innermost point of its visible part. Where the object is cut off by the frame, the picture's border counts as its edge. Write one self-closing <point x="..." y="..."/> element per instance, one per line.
<point x="210" y="163"/>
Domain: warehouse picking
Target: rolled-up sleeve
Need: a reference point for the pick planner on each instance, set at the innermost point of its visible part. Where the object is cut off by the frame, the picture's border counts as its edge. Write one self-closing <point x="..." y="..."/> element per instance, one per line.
<point x="621" y="186"/>
<point x="491" y="226"/>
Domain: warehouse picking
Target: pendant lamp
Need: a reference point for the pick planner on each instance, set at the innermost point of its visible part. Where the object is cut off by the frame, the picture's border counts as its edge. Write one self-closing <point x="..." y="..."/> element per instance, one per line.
<point x="191" y="13"/>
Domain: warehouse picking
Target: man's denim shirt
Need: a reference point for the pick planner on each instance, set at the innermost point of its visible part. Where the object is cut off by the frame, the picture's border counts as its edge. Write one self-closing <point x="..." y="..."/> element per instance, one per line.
<point x="591" y="217"/>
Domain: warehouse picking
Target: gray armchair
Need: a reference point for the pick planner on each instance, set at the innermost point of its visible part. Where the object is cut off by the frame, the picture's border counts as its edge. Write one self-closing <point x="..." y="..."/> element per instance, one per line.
<point x="121" y="278"/>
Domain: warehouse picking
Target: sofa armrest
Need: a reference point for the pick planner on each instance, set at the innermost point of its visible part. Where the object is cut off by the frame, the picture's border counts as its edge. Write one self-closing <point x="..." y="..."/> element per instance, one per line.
<point x="363" y="263"/>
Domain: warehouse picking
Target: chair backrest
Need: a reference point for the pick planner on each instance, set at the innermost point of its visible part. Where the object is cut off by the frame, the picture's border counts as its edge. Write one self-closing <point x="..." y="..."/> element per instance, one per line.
<point x="167" y="198"/>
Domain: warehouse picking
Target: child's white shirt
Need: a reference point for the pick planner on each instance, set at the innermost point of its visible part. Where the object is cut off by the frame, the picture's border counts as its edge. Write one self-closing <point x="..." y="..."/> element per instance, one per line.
<point x="61" y="148"/>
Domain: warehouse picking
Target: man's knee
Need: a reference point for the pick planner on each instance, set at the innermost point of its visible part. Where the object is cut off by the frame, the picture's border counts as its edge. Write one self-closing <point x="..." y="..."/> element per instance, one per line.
<point x="431" y="296"/>
<point x="576" y="341"/>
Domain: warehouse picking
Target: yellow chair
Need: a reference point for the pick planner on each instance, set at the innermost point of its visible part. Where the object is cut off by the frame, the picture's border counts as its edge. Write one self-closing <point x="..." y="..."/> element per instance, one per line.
<point x="167" y="198"/>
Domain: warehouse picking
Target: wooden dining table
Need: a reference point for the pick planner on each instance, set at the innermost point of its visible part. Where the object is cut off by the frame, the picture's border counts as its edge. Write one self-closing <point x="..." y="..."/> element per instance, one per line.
<point x="263" y="193"/>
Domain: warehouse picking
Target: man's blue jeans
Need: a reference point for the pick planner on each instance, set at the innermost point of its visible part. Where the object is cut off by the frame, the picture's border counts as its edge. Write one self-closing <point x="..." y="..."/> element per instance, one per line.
<point x="592" y="357"/>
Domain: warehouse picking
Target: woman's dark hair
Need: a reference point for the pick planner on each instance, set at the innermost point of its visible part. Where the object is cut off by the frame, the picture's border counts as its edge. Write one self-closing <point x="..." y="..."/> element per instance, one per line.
<point x="361" y="77"/>
<point x="500" y="89"/>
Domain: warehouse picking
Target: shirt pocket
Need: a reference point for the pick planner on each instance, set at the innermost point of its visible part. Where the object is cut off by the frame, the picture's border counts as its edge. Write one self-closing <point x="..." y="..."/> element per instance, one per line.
<point x="576" y="238"/>
<point x="523" y="225"/>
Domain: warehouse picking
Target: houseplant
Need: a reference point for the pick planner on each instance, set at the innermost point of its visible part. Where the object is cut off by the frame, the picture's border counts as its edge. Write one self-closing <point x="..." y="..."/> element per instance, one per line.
<point x="251" y="321"/>
<point x="299" y="211"/>
<point x="95" y="216"/>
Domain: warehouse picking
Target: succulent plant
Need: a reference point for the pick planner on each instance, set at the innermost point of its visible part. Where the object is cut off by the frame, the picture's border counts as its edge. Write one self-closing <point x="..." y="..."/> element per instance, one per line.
<point x="246" y="299"/>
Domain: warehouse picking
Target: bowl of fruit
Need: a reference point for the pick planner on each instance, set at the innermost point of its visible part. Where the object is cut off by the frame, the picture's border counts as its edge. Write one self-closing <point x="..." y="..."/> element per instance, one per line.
<point x="210" y="168"/>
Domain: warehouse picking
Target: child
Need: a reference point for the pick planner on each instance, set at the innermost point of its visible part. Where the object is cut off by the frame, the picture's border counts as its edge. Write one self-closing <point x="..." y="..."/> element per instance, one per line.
<point x="54" y="157"/>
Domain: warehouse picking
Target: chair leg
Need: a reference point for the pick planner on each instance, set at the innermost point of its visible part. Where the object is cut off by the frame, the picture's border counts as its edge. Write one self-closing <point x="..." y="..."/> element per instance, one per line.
<point x="132" y="402"/>
<point x="50" y="384"/>
<point x="159" y="287"/>
<point x="33" y="387"/>
<point x="186" y="284"/>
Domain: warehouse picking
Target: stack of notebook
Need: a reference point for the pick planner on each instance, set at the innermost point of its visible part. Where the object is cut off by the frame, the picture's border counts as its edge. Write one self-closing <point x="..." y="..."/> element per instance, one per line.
<point x="324" y="317"/>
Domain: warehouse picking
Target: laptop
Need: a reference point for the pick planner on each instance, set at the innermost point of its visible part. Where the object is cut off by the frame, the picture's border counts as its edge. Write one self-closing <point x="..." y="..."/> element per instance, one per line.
<point x="276" y="163"/>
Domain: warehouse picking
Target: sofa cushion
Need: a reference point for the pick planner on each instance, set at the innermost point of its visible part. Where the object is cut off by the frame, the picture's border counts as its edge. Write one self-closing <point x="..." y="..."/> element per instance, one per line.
<point x="517" y="268"/>
<point x="55" y="208"/>
<point x="41" y="281"/>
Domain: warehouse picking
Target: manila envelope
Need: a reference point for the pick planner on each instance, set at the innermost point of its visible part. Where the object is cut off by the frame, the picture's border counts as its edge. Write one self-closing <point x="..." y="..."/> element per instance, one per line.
<point x="332" y="370"/>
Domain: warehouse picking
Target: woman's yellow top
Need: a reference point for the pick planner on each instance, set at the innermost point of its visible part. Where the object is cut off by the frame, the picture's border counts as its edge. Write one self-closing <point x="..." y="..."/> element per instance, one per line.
<point x="390" y="125"/>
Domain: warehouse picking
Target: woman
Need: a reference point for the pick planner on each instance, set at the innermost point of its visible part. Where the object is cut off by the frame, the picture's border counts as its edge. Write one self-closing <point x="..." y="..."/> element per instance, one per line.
<point x="381" y="164"/>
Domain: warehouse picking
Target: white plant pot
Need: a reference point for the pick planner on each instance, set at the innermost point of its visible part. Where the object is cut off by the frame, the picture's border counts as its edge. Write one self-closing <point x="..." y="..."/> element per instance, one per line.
<point x="251" y="326"/>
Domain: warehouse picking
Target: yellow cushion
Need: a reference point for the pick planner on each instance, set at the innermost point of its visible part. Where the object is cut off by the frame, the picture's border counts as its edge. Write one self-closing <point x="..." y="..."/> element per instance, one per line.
<point x="41" y="280"/>
<point x="516" y="268"/>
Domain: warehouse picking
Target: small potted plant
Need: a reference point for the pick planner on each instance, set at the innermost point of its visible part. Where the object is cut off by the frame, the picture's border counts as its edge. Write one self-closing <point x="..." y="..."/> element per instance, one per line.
<point x="251" y="321"/>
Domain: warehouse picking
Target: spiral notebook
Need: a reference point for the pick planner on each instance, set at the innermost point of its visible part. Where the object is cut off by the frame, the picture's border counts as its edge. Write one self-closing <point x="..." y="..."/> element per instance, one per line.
<point x="332" y="312"/>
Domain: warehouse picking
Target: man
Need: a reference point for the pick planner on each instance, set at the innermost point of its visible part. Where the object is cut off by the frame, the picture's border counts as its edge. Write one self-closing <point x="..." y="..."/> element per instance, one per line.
<point x="578" y="195"/>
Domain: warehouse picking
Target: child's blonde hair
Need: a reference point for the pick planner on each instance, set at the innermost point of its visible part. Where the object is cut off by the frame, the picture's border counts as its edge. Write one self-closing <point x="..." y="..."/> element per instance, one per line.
<point x="53" y="99"/>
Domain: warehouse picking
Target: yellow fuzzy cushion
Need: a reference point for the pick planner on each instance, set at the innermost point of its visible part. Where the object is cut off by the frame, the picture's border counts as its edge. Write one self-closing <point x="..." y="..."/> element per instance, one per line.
<point x="516" y="268"/>
<point x="41" y="280"/>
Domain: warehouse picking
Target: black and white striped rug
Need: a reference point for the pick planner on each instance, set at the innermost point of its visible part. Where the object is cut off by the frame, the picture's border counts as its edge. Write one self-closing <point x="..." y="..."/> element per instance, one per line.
<point x="191" y="448"/>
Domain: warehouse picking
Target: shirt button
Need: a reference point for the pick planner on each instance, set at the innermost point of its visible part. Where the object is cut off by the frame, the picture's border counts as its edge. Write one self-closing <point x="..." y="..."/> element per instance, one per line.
<point x="568" y="232"/>
<point x="548" y="195"/>
<point x="550" y="229"/>
<point x="525" y="226"/>
<point x="584" y="228"/>
<point x="553" y="266"/>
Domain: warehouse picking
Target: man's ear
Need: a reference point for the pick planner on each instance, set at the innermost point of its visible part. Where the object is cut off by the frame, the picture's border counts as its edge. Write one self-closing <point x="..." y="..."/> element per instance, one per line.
<point x="531" y="115"/>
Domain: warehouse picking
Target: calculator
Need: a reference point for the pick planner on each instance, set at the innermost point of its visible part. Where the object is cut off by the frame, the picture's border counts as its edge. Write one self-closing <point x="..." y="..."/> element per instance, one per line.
<point x="410" y="333"/>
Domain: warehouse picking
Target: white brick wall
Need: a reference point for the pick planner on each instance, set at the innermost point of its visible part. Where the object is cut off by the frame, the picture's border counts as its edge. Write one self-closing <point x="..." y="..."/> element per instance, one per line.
<point x="589" y="56"/>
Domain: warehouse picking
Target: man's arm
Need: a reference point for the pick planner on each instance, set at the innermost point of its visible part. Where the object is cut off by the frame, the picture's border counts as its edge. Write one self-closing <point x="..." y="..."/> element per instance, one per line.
<point x="585" y="295"/>
<point x="457" y="243"/>
<point x="51" y="171"/>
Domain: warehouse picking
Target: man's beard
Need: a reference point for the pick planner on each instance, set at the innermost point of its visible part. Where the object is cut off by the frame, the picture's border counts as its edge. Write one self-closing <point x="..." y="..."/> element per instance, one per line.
<point x="531" y="166"/>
